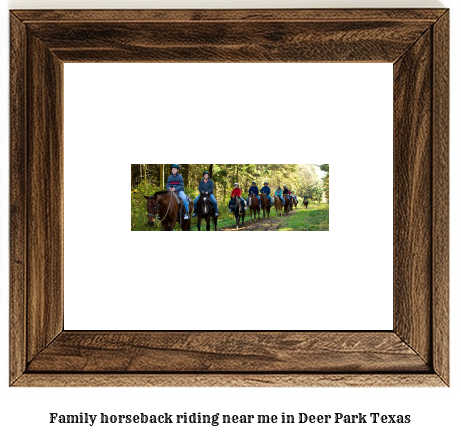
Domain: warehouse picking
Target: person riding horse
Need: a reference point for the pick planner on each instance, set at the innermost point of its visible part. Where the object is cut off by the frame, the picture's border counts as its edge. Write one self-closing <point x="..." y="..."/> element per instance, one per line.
<point x="287" y="192"/>
<point x="266" y="190"/>
<point x="279" y="193"/>
<point x="206" y="186"/>
<point x="175" y="183"/>
<point x="255" y="191"/>
<point x="237" y="194"/>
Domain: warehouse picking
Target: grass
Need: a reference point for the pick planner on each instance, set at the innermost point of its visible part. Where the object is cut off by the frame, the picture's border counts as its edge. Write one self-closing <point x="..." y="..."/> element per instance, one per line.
<point x="313" y="219"/>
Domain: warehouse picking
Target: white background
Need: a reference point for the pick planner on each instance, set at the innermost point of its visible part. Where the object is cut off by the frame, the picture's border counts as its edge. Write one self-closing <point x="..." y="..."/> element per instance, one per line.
<point x="123" y="280"/>
<point x="432" y="410"/>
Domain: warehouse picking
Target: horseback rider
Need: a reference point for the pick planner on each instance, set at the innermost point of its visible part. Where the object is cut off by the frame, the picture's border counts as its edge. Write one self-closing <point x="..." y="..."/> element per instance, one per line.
<point x="237" y="193"/>
<point x="206" y="186"/>
<point x="279" y="194"/>
<point x="175" y="183"/>
<point x="266" y="190"/>
<point x="286" y="191"/>
<point x="255" y="191"/>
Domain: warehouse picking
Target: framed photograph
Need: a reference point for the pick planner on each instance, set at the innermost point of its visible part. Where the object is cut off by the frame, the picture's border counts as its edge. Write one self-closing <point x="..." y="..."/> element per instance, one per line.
<point x="414" y="353"/>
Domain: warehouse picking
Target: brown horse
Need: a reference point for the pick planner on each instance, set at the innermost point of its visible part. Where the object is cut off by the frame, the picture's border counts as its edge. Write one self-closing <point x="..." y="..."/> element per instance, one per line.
<point x="205" y="211"/>
<point x="295" y="202"/>
<point x="253" y="204"/>
<point x="265" y="205"/>
<point x="288" y="204"/>
<point x="306" y="202"/>
<point x="163" y="204"/>
<point x="278" y="205"/>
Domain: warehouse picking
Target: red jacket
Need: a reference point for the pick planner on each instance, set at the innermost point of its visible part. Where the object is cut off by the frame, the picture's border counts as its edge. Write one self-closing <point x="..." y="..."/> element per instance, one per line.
<point x="237" y="192"/>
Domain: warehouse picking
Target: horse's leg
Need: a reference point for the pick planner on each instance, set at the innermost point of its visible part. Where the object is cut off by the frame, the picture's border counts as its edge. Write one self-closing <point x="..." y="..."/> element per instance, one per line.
<point x="199" y="222"/>
<point x="165" y="225"/>
<point x="173" y="223"/>
<point x="208" y="224"/>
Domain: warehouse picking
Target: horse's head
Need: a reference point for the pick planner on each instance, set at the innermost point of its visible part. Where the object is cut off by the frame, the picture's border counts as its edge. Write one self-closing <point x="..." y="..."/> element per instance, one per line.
<point x="152" y="209"/>
<point x="205" y="204"/>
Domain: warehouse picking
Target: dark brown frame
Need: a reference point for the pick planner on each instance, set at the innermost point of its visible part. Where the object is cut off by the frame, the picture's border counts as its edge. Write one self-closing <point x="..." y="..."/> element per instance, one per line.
<point x="415" y="353"/>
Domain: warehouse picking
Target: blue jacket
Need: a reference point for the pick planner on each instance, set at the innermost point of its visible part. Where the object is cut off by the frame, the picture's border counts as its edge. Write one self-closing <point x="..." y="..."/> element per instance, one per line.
<point x="176" y="182"/>
<point x="265" y="190"/>
<point x="206" y="187"/>
<point x="254" y="190"/>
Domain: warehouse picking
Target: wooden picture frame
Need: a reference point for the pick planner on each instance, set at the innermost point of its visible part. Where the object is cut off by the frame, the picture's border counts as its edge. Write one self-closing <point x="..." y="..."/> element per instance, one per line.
<point x="415" y="353"/>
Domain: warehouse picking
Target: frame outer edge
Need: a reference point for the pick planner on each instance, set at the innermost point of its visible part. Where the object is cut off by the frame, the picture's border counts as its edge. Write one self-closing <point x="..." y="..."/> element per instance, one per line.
<point x="18" y="266"/>
<point x="441" y="192"/>
<point x="18" y="191"/>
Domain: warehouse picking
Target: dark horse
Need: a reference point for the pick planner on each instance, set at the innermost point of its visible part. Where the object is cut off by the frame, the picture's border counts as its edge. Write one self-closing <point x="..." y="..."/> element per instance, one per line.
<point x="278" y="205"/>
<point x="205" y="211"/>
<point x="295" y="202"/>
<point x="288" y="204"/>
<point x="238" y="208"/>
<point x="253" y="204"/>
<point x="163" y="204"/>
<point x="265" y="205"/>
<point x="306" y="202"/>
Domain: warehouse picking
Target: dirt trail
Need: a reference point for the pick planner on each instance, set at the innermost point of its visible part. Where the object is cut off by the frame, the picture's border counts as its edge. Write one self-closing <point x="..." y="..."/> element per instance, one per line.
<point x="263" y="224"/>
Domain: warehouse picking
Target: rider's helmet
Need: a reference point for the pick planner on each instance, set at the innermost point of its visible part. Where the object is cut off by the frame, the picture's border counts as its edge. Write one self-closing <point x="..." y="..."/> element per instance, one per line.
<point x="266" y="183"/>
<point x="206" y="172"/>
<point x="176" y="166"/>
<point x="236" y="184"/>
<point x="254" y="183"/>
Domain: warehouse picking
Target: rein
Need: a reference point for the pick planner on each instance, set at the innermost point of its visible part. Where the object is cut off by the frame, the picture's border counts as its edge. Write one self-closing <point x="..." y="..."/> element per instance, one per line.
<point x="169" y="204"/>
<point x="149" y="214"/>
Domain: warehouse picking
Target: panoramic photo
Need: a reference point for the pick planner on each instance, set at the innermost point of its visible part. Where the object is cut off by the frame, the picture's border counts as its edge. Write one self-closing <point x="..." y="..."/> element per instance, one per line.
<point x="230" y="197"/>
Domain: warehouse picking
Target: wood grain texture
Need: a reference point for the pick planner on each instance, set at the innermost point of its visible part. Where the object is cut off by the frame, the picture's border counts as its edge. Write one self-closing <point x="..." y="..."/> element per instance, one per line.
<point x="18" y="191"/>
<point x="174" y="15"/>
<point x="441" y="200"/>
<point x="242" y="41"/>
<point x="413" y="196"/>
<point x="415" y="354"/>
<point x="208" y="352"/>
<point x="230" y="380"/>
<point x="45" y="218"/>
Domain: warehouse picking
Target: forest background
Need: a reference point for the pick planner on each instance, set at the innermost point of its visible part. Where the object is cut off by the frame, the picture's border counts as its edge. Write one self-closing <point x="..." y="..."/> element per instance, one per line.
<point x="301" y="179"/>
